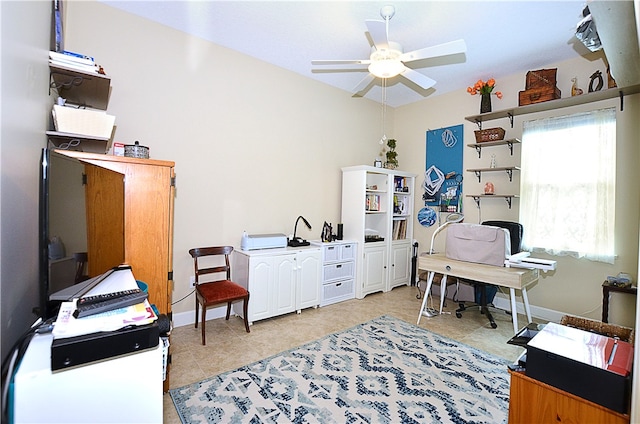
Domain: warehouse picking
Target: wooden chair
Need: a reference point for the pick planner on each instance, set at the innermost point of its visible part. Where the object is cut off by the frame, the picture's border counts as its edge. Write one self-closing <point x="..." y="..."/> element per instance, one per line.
<point x="81" y="263"/>
<point x="215" y="292"/>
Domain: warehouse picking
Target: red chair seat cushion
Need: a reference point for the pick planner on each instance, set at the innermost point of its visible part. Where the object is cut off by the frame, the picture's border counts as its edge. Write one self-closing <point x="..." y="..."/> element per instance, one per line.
<point x="221" y="291"/>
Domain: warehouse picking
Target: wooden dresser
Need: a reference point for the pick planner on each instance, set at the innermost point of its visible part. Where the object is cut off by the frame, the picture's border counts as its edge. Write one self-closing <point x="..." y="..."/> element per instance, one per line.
<point x="532" y="401"/>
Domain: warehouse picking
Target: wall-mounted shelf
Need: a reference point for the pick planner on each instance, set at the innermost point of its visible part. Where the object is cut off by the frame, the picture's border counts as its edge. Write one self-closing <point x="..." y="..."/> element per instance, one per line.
<point x="508" y="169"/>
<point x="556" y="104"/>
<point x="507" y="197"/>
<point x="509" y="143"/>
<point x="82" y="88"/>
<point x="79" y="142"/>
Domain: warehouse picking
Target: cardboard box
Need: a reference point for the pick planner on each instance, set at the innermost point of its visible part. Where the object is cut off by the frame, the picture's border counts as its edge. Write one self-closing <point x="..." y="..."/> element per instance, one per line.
<point x="118" y="149"/>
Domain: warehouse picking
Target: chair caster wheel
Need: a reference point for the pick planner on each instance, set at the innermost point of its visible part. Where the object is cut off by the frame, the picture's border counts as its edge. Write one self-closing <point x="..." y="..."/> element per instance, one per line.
<point x="458" y="315"/>
<point x="494" y="325"/>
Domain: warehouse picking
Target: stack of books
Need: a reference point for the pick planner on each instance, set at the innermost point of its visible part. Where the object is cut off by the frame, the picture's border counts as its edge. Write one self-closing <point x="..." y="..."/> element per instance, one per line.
<point x="75" y="61"/>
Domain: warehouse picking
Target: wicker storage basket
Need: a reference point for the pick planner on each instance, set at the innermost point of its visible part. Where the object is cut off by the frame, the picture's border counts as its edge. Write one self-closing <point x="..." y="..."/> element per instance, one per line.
<point x="490" y="134"/>
<point x="610" y="330"/>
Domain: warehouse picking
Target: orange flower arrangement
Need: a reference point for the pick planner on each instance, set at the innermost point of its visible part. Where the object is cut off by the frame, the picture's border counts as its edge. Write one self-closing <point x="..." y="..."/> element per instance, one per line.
<point x="484" y="88"/>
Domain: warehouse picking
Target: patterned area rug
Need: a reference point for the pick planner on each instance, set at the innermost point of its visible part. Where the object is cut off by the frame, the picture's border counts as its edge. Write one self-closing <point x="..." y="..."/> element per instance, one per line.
<point x="382" y="371"/>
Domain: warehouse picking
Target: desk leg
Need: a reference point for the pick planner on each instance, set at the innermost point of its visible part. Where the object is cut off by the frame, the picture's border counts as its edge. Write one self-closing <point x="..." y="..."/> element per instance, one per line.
<point x="527" y="309"/>
<point x="514" y="311"/>
<point x="427" y="290"/>
<point x="443" y="290"/>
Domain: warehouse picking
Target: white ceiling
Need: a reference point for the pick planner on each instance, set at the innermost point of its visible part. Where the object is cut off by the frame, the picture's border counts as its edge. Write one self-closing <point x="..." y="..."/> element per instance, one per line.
<point x="502" y="37"/>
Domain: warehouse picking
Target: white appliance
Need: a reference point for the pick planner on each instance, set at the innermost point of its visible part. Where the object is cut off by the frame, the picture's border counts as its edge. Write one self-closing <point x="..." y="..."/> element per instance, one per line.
<point x="262" y="241"/>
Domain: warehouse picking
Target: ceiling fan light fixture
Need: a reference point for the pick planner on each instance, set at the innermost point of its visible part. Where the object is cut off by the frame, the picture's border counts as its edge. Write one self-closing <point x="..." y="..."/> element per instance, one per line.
<point x="387" y="68"/>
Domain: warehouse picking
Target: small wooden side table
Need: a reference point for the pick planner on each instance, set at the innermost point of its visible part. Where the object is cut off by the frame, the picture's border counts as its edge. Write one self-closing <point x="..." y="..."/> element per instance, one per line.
<point x="606" y="290"/>
<point x="532" y="401"/>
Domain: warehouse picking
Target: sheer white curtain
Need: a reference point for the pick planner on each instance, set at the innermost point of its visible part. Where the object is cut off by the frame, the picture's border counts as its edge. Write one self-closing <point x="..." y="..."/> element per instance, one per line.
<point x="567" y="185"/>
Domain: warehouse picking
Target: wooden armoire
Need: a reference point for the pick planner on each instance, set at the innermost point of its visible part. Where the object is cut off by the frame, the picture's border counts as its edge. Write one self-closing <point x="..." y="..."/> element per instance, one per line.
<point x="148" y="193"/>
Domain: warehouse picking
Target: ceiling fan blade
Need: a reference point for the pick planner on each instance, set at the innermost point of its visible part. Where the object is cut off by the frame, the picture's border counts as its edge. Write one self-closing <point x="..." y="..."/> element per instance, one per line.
<point x="417" y="78"/>
<point x="341" y="62"/>
<point x="363" y="86"/>
<point x="452" y="47"/>
<point x="378" y="32"/>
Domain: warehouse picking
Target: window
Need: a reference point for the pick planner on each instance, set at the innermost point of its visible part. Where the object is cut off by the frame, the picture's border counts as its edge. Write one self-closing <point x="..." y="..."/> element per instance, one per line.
<point x="567" y="185"/>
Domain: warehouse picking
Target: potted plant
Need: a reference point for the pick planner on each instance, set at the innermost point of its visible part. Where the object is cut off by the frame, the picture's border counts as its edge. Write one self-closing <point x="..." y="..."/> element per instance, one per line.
<point x="392" y="155"/>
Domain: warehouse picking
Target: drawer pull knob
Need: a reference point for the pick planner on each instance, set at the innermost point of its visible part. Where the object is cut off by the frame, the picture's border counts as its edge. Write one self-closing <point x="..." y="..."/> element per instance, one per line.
<point x="448" y="268"/>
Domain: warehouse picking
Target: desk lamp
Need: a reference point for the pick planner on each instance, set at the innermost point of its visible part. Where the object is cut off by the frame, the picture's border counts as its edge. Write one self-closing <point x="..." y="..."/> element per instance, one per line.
<point x="452" y="218"/>
<point x="298" y="241"/>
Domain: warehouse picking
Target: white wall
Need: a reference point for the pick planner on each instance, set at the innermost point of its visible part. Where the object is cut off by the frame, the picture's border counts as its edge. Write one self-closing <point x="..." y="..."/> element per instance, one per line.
<point x="24" y="93"/>
<point x="254" y="145"/>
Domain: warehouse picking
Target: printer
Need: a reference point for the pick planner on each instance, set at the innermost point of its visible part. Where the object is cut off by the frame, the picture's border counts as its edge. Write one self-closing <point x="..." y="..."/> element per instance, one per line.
<point x="262" y="241"/>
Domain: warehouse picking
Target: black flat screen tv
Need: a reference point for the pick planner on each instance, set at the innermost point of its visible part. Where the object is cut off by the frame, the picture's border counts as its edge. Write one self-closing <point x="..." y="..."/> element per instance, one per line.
<point x="68" y="224"/>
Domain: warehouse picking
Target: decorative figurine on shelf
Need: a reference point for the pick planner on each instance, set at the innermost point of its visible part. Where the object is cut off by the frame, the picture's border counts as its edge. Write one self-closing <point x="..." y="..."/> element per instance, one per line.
<point x="575" y="90"/>
<point x="493" y="161"/>
<point x="488" y="188"/>
<point x="596" y="77"/>
<point x="611" y="83"/>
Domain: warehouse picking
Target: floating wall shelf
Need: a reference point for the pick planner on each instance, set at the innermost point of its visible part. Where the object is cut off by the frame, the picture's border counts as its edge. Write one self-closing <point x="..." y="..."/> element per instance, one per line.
<point x="509" y="143"/>
<point x="509" y="170"/>
<point x="556" y="104"/>
<point x="507" y="197"/>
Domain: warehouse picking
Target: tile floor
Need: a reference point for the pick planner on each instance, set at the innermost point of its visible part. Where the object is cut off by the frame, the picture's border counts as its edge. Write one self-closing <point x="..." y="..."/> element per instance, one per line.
<point x="229" y="346"/>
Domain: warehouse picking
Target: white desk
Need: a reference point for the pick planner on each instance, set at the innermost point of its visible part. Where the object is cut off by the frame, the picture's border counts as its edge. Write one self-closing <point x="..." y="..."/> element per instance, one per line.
<point x="512" y="278"/>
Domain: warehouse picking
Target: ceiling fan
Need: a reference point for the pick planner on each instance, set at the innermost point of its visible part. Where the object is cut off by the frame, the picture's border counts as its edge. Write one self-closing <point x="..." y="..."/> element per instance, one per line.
<point x="387" y="58"/>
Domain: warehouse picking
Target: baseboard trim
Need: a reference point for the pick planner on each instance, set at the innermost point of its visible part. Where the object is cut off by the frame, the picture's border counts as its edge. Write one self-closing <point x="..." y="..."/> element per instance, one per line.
<point x="181" y="319"/>
<point x="188" y="318"/>
<point x="543" y="314"/>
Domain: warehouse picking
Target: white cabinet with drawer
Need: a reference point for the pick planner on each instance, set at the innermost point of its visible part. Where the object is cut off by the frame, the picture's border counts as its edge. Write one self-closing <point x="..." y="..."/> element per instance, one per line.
<point x="279" y="281"/>
<point x="338" y="271"/>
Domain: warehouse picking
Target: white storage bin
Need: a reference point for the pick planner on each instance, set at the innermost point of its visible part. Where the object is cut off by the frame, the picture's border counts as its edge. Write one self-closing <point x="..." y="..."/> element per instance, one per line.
<point x="337" y="292"/>
<point x="332" y="253"/>
<point x="347" y="251"/>
<point x="339" y="271"/>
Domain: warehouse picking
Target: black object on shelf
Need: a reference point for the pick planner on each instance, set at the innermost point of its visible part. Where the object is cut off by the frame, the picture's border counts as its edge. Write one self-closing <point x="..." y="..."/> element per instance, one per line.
<point x="372" y="238"/>
<point x="525" y="334"/>
<point x="299" y="241"/>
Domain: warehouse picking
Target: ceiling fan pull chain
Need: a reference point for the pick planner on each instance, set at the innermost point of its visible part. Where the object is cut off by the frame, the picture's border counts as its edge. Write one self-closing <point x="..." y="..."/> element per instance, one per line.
<point x="384" y="110"/>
